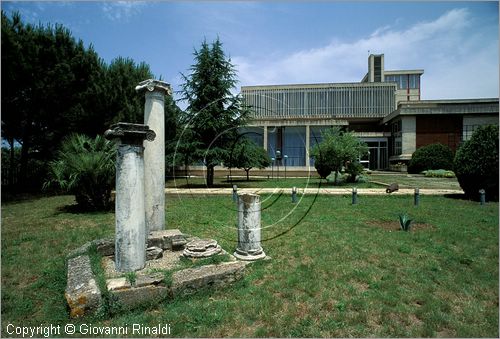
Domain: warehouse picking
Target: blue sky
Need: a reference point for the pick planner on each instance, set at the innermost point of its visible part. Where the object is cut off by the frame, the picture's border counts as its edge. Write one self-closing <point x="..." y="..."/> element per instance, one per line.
<point x="456" y="43"/>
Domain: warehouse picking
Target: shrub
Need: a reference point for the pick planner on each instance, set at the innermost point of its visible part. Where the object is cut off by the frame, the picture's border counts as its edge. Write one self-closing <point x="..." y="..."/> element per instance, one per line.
<point x="85" y="167"/>
<point x="336" y="150"/>
<point x="476" y="163"/>
<point x="440" y="173"/>
<point x="430" y="157"/>
<point x="354" y="169"/>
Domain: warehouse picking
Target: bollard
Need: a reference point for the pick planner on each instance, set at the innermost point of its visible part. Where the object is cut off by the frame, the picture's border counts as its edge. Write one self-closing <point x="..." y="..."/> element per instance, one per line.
<point x="235" y="193"/>
<point x="482" y="196"/>
<point x="354" y="195"/>
<point x="294" y="195"/>
<point x="417" y="197"/>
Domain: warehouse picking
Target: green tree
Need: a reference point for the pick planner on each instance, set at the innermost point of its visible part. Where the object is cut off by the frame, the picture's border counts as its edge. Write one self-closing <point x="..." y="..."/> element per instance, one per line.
<point x="55" y="86"/>
<point x="338" y="149"/>
<point x="245" y="154"/>
<point x="213" y="112"/>
<point x="85" y="167"/>
<point x="476" y="163"/>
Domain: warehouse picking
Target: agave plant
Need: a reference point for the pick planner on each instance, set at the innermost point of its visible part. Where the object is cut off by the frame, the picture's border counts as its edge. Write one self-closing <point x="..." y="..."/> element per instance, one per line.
<point x="405" y="222"/>
<point x="85" y="167"/>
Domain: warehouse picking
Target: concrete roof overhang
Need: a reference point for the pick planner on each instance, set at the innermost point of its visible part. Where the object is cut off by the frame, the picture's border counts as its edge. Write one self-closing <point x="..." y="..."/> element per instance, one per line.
<point x="443" y="107"/>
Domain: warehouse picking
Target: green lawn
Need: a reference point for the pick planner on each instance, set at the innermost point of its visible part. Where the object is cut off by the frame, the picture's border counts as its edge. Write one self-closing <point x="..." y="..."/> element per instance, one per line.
<point x="336" y="269"/>
<point x="374" y="181"/>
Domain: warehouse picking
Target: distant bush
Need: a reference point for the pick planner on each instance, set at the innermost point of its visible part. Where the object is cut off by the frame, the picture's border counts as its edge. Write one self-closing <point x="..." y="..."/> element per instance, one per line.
<point x="431" y="157"/>
<point x="85" y="167"/>
<point x="476" y="163"/>
<point x="440" y="173"/>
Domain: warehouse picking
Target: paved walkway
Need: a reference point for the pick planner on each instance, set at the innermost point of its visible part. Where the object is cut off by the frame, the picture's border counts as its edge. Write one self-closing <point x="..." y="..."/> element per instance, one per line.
<point x="310" y="191"/>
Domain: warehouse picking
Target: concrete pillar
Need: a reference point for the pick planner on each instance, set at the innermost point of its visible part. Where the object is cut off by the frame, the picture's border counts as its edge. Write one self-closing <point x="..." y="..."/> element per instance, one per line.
<point x="265" y="137"/>
<point x="130" y="228"/>
<point x="154" y="154"/>
<point x="249" y="228"/>
<point x="308" y="134"/>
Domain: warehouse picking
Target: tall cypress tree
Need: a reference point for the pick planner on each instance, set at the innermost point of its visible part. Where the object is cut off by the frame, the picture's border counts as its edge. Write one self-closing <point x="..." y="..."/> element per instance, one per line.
<point x="213" y="112"/>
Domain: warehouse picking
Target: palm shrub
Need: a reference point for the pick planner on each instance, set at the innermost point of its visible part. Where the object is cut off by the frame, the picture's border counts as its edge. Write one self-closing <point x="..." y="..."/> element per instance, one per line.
<point x="476" y="163"/>
<point x="85" y="167"/>
<point x="431" y="157"/>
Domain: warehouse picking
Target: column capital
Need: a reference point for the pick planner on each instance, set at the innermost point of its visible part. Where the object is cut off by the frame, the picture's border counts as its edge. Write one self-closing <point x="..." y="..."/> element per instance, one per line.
<point x="154" y="85"/>
<point x="131" y="134"/>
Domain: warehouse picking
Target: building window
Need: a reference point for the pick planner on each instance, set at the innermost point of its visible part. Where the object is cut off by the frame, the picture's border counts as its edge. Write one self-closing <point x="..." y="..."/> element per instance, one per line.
<point x="414" y="81"/>
<point x="396" y="138"/>
<point x="404" y="81"/>
<point x="468" y="130"/>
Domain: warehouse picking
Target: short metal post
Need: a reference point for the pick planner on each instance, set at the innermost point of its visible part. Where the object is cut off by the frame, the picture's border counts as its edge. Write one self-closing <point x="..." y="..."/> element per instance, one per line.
<point x="294" y="195"/>
<point x="417" y="196"/>
<point x="482" y="196"/>
<point x="354" y="195"/>
<point x="235" y="193"/>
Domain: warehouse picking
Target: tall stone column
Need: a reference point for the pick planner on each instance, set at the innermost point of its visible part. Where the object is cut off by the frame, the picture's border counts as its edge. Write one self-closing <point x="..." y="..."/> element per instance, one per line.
<point x="130" y="228"/>
<point x="154" y="154"/>
<point x="249" y="228"/>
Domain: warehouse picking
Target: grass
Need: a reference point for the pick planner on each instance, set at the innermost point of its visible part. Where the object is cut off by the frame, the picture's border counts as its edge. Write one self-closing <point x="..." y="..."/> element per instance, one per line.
<point x="333" y="272"/>
<point x="374" y="181"/>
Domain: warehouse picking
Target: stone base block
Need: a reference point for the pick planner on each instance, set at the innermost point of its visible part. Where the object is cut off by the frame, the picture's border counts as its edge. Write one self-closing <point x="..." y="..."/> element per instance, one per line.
<point x="167" y="239"/>
<point x="190" y="280"/>
<point x="133" y="297"/>
<point x="82" y="294"/>
<point x="249" y="257"/>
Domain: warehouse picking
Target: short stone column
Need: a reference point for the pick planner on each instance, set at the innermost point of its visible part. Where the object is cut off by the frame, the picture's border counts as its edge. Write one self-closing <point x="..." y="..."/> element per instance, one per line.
<point x="249" y="228"/>
<point x="130" y="228"/>
<point x="154" y="154"/>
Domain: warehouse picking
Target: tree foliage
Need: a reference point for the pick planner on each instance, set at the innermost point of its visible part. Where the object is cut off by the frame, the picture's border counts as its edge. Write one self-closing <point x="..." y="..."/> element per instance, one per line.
<point x="85" y="167"/>
<point x="337" y="149"/>
<point x="213" y="113"/>
<point x="54" y="86"/>
<point x="245" y="154"/>
<point x="476" y="163"/>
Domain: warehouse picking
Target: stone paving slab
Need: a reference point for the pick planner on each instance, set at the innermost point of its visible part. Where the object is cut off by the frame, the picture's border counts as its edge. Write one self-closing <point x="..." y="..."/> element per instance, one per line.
<point x="309" y="191"/>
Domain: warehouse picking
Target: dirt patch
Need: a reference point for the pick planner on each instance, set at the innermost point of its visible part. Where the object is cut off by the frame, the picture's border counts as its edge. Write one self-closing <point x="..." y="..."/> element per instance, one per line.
<point x="394" y="226"/>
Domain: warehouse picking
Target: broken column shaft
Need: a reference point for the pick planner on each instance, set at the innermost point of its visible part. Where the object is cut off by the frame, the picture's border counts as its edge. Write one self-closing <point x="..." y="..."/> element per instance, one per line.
<point x="130" y="228"/>
<point x="249" y="228"/>
<point x="154" y="154"/>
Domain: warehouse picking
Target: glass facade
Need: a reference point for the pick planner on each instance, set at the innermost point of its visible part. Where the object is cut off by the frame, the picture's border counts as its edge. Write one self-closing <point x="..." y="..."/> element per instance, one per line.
<point x="256" y="134"/>
<point x="377" y="159"/>
<point x="294" y="145"/>
<point x="404" y="81"/>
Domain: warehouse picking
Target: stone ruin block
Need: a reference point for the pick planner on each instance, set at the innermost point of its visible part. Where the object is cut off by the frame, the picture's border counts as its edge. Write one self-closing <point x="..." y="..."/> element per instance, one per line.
<point x="190" y="280"/>
<point x="167" y="239"/>
<point x="82" y="293"/>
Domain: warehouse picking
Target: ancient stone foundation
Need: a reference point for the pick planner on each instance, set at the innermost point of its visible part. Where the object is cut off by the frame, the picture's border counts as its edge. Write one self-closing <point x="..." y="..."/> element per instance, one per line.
<point x="164" y="276"/>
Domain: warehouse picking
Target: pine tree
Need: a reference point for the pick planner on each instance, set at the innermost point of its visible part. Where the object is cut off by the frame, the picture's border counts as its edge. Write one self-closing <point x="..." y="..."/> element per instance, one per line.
<point x="214" y="114"/>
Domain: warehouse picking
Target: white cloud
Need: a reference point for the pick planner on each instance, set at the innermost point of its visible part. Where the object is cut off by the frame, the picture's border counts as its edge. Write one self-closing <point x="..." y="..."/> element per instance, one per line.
<point x="122" y="10"/>
<point x="457" y="62"/>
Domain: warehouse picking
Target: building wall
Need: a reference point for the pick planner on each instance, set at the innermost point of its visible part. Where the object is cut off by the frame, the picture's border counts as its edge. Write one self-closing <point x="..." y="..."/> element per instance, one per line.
<point x="446" y="130"/>
<point x="408" y="135"/>
<point x="472" y="122"/>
